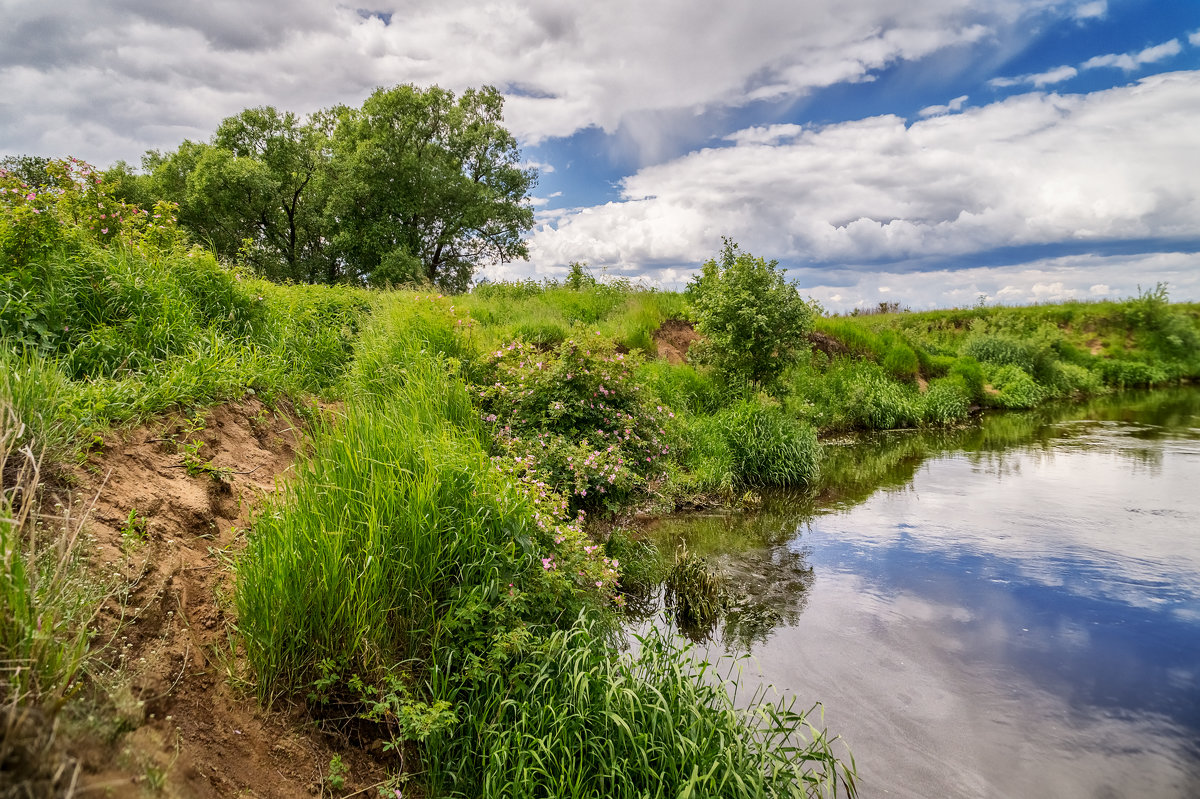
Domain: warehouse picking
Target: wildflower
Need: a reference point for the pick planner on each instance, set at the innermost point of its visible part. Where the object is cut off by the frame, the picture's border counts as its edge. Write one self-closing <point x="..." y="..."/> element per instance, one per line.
<point x="103" y="230"/>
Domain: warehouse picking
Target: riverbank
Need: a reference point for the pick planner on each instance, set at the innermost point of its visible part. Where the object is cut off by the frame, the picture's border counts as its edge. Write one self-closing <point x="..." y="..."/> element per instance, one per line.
<point x="426" y="595"/>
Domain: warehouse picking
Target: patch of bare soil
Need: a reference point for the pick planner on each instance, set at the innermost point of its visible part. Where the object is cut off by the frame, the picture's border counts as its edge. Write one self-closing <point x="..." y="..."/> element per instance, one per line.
<point x="187" y="724"/>
<point x="673" y="339"/>
<point x="1095" y="346"/>
<point x="827" y="344"/>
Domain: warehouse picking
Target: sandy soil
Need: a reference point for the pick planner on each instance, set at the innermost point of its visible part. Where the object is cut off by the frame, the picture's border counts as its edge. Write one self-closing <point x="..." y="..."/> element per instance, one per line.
<point x="189" y="725"/>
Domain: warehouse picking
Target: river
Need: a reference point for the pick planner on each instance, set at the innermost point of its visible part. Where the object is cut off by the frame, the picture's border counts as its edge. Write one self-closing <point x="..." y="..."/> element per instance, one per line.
<point x="1006" y="610"/>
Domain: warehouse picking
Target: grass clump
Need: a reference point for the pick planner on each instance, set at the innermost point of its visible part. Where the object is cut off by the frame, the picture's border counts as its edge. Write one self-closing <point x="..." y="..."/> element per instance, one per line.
<point x="577" y="721"/>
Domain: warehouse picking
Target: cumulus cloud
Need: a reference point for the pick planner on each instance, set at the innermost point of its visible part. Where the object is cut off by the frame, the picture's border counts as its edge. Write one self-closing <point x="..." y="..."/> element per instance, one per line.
<point x="1131" y="61"/>
<point x="1037" y="80"/>
<point x="1033" y="169"/>
<point x="133" y="74"/>
<point x="1194" y="39"/>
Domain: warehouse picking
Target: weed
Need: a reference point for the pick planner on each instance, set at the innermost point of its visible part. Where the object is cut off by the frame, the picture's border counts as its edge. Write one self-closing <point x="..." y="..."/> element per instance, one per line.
<point x="135" y="530"/>
<point x="338" y="772"/>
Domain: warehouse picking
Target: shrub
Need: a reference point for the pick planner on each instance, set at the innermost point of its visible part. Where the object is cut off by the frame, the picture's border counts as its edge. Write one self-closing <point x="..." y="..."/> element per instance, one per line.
<point x="1017" y="389"/>
<point x="968" y="370"/>
<point x="853" y="394"/>
<point x="577" y="418"/>
<point x="900" y="361"/>
<point x="575" y="719"/>
<point x="754" y="322"/>
<point x="999" y="349"/>
<point x="683" y="387"/>
<point x="1122" y="373"/>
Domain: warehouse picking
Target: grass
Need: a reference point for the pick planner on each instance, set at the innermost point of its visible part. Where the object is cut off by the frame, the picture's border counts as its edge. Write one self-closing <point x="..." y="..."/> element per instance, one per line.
<point x="577" y="721"/>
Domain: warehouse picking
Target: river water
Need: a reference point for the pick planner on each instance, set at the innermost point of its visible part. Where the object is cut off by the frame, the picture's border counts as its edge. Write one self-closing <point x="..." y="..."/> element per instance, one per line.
<point x="1009" y="610"/>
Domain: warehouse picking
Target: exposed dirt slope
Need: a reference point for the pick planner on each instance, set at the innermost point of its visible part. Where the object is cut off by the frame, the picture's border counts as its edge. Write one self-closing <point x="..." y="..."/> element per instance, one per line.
<point x="188" y="726"/>
<point x="673" y="338"/>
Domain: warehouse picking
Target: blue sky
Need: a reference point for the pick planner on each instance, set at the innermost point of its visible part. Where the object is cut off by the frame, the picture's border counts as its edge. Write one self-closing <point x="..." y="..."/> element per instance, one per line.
<point x="926" y="153"/>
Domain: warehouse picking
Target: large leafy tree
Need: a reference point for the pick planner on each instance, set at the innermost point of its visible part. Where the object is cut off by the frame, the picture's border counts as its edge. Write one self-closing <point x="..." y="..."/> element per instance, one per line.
<point x="754" y="321"/>
<point x="255" y="191"/>
<point x="426" y="187"/>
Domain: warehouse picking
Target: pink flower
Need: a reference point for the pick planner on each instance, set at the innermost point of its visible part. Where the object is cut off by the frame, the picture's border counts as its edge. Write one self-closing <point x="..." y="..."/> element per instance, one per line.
<point x="103" y="230"/>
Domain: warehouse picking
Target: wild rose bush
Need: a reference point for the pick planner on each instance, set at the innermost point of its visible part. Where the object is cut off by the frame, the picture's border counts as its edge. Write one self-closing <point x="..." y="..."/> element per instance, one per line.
<point x="72" y="208"/>
<point x="574" y="418"/>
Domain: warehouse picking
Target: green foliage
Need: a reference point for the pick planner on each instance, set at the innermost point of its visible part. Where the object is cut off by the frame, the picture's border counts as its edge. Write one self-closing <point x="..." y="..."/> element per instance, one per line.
<point x="853" y="395"/>
<point x="398" y="535"/>
<point x="970" y="373"/>
<point x="574" y="719"/>
<point x="1017" y="389"/>
<point x="425" y="186"/>
<point x="900" y="361"/>
<point x="768" y="447"/>
<point x="695" y="591"/>
<point x="577" y="418"/>
<point x="254" y="193"/>
<point x="637" y="560"/>
<point x="755" y="322"/>
<point x="46" y="599"/>
<point x="683" y="387"/>
<point x="947" y="401"/>
<point x="1000" y="350"/>
<point x="338" y="772"/>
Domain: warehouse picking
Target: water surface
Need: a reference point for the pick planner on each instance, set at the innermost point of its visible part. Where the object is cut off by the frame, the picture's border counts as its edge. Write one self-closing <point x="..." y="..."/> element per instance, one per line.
<point x="1010" y="610"/>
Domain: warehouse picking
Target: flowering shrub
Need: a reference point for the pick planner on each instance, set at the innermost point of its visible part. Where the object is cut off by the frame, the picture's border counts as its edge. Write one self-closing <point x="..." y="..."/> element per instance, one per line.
<point x="575" y="418"/>
<point x="75" y="204"/>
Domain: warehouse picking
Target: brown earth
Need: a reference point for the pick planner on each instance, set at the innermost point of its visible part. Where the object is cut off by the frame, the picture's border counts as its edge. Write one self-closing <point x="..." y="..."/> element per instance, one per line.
<point x="673" y="339"/>
<point x="179" y="717"/>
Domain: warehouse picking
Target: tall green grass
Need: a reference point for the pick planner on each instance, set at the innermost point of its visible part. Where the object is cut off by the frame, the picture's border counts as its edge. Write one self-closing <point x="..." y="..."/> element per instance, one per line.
<point x="123" y="334"/>
<point x="577" y="721"/>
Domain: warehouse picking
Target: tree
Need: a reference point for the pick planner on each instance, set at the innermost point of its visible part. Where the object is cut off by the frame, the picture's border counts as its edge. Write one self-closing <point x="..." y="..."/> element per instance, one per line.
<point x="754" y="321"/>
<point x="254" y="192"/>
<point x="425" y="188"/>
<point x="29" y="169"/>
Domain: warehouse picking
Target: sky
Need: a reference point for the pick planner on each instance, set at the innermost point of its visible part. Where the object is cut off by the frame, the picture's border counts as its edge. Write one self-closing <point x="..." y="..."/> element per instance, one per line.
<point x="936" y="153"/>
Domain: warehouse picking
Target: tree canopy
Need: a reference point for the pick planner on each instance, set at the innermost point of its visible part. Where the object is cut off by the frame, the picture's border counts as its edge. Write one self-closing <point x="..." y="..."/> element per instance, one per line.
<point x="416" y="186"/>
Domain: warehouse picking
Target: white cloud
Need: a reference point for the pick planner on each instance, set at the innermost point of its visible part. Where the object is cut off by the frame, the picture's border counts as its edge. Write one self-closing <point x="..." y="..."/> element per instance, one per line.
<point x="1096" y="9"/>
<point x="1037" y="80"/>
<point x="1194" y="39"/>
<point x="938" y="110"/>
<point x="1033" y="169"/>
<point x="769" y="134"/>
<point x="109" y="78"/>
<point x="1045" y="280"/>
<point x="1131" y="61"/>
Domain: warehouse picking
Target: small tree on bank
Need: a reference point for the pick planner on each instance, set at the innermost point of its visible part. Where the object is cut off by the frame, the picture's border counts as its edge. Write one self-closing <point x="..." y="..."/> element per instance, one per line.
<point x="755" y="322"/>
